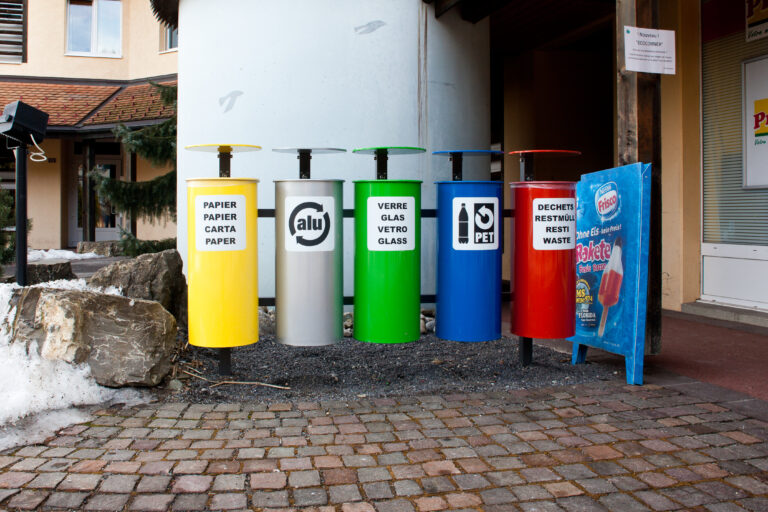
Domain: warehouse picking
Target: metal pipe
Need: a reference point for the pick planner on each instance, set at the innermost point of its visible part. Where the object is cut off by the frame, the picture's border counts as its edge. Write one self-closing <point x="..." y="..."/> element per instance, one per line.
<point x="21" y="215"/>
<point x="305" y="155"/>
<point x="225" y="160"/>
<point x="457" y="161"/>
<point x="381" y="164"/>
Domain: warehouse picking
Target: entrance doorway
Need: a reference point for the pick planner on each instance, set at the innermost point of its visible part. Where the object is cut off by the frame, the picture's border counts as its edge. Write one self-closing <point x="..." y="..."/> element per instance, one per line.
<point x="108" y="221"/>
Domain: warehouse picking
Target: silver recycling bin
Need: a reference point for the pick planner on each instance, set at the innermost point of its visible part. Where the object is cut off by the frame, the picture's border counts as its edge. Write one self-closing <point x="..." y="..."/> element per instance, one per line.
<point x="309" y="293"/>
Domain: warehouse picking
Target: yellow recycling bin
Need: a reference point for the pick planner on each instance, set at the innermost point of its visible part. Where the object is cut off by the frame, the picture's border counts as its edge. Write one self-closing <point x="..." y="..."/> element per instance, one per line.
<point x="222" y="262"/>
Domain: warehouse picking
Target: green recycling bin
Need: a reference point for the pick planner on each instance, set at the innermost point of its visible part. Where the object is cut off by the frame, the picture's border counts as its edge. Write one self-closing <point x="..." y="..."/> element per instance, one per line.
<point x="387" y="260"/>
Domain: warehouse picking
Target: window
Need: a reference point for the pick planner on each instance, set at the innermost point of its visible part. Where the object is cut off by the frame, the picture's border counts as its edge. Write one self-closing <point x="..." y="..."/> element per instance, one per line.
<point x="13" y="33"/>
<point x="169" y="38"/>
<point x="94" y="28"/>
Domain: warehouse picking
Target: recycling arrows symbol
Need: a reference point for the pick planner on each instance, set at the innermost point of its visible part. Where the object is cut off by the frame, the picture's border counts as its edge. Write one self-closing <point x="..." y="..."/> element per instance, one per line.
<point x="484" y="218"/>
<point x="326" y="223"/>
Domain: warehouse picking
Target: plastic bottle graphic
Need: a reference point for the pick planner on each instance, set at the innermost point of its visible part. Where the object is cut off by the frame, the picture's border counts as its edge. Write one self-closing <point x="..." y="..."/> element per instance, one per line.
<point x="463" y="225"/>
<point x="610" y="284"/>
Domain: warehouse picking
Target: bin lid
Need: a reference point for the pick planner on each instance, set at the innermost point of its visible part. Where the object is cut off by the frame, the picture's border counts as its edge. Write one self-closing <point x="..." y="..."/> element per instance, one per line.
<point x="219" y="181"/>
<point x="387" y="182"/>
<point x="223" y="148"/>
<point x="468" y="152"/>
<point x="469" y="182"/>
<point x="544" y="184"/>
<point x="316" y="151"/>
<point x="310" y="180"/>
<point x="564" y="152"/>
<point x="390" y="150"/>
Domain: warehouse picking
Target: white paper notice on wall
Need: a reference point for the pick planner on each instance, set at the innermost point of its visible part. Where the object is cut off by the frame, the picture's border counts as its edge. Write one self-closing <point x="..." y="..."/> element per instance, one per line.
<point x="554" y="223"/>
<point x="649" y="50"/>
<point x="391" y="223"/>
<point x="220" y="223"/>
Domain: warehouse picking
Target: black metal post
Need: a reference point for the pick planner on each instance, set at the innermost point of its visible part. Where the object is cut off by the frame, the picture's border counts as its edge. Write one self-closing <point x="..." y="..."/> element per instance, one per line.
<point x="526" y="167"/>
<point x="225" y="361"/>
<point x="305" y="155"/>
<point x="381" y="164"/>
<point x="21" y="215"/>
<point x="525" y="345"/>
<point x="132" y="178"/>
<point x="457" y="160"/>
<point x="225" y="354"/>
<point x="225" y="158"/>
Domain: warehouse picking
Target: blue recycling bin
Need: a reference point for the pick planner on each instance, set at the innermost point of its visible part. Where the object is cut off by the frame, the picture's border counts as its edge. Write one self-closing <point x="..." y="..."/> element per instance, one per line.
<point x="469" y="247"/>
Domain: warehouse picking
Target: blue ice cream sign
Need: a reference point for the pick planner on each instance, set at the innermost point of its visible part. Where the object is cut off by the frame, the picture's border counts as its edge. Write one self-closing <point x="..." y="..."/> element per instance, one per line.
<point x="612" y="217"/>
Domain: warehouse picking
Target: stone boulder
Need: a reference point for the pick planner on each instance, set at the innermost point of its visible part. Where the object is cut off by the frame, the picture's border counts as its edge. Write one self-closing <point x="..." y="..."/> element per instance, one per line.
<point x="107" y="248"/>
<point x="49" y="270"/>
<point x="156" y="276"/>
<point x="266" y="321"/>
<point x="45" y="270"/>
<point x="126" y="342"/>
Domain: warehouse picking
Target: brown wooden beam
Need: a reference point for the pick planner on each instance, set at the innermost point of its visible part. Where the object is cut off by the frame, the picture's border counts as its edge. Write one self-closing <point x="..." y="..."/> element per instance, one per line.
<point x="638" y="126"/>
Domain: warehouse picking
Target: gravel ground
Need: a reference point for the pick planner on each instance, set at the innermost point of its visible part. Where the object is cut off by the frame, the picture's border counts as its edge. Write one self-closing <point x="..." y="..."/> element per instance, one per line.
<point x="351" y="370"/>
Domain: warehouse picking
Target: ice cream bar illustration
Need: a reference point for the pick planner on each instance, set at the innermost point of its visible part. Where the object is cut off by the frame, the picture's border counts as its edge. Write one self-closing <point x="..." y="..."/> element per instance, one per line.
<point x="610" y="284"/>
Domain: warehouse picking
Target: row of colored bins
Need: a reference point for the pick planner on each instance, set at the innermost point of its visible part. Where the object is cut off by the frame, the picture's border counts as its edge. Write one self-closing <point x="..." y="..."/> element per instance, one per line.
<point x="222" y="256"/>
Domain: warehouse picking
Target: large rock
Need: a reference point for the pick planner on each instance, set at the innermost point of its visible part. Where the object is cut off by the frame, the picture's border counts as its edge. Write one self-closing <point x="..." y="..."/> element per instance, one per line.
<point x="266" y="321"/>
<point x="49" y="270"/>
<point x="155" y="276"/>
<point x="107" y="248"/>
<point x="45" y="270"/>
<point x="126" y="342"/>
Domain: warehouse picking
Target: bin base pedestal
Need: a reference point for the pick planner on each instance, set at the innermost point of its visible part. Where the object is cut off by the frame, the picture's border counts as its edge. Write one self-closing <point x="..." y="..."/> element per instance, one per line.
<point x="525" y="346"/>
<point x="225" y="362"/>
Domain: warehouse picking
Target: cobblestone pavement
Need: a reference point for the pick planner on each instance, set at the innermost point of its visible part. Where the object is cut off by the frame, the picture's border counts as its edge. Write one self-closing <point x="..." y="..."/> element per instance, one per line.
<point x="603" y="446"/>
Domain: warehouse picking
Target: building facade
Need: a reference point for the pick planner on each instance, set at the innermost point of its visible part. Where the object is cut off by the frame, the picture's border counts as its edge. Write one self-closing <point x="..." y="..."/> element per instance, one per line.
<point x="553" y="82"/>
<point x="88" y="64"/>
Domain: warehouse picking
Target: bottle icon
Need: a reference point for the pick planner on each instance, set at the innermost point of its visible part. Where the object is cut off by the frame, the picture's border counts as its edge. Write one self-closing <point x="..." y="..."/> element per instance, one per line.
<point x="610" y="284"/>
<point x="463" y="225"/>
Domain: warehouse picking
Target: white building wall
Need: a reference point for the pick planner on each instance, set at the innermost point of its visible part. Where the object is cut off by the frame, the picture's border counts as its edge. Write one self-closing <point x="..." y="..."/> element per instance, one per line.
<point x="330" y="73"/>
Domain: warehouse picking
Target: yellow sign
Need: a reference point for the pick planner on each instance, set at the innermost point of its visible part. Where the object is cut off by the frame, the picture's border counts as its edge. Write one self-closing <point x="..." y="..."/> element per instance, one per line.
<point x="757" y="19"/>
<point x="761" y="118"/>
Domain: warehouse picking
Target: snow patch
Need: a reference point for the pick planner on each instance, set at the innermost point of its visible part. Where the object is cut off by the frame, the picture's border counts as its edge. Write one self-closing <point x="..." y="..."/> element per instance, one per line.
<point x="58" y="254"/>
<point x="78" y="285"/>
<point x="37" y="428"/>
<point x="31" y="384"/>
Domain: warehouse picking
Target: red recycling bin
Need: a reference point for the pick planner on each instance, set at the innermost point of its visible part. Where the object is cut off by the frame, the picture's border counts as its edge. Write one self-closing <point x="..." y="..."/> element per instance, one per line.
<point x="544" y="259"/>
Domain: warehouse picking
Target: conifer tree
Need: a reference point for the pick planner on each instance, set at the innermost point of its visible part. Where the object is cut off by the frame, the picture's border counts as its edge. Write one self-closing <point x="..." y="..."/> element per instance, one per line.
<point x="150" y="199"/>
<point x="7" y="220"/>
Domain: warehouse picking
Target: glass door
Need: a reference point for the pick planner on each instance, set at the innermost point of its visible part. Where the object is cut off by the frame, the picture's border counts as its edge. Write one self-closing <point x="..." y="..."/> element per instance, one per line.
<point x="108" y="221"/>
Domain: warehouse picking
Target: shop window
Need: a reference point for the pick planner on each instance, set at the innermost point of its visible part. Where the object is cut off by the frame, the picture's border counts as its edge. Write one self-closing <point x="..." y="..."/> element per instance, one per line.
<point x="94" y="28"/>
<point x="13" y="31"/>
<point x="169" y="38"/>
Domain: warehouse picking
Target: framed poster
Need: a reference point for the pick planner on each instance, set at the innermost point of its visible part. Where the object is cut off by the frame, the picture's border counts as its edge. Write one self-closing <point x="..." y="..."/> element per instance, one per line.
<point x="757" y="19"/>
<point x="612" y="237"/>
<point x="755" y="122"/>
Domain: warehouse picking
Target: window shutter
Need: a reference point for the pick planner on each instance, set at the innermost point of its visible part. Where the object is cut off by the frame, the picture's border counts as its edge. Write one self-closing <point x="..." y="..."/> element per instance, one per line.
<point x="732" y="214"/>
<point x="13" y="33"/>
